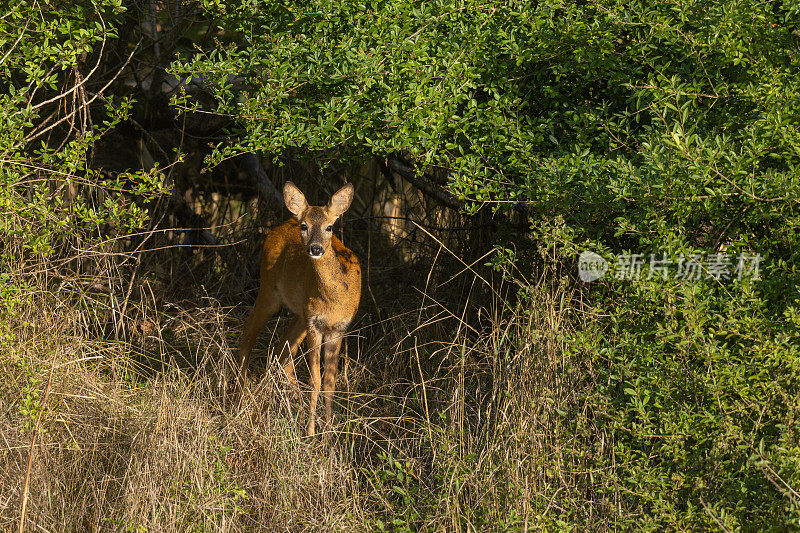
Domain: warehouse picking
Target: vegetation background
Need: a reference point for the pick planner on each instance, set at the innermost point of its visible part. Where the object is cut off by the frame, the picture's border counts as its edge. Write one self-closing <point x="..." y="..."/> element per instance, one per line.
<point x="142" y="145"/>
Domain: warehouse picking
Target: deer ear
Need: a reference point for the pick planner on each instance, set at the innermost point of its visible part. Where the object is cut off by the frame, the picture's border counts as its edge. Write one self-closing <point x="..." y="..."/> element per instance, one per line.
<point x="295" y="201"/>
<point x="341" y="199"/>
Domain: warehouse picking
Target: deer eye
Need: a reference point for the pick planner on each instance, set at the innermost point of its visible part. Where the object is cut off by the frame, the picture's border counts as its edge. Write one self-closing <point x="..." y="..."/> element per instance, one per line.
<point x="329" y="228"/>
<point x="303" y="227"/>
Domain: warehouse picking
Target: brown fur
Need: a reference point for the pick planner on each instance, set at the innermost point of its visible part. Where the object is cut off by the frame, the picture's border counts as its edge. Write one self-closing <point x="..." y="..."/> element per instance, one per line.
<point x="322" y="293"/>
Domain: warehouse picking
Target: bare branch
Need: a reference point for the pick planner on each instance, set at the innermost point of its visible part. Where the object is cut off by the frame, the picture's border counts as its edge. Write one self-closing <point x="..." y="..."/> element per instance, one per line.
<point x="424" y="184"/>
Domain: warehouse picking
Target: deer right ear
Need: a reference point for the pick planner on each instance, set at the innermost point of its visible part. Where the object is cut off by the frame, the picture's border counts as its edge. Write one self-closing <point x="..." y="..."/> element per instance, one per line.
<point x="341" y="199"/>
<point x="295" y="201"/>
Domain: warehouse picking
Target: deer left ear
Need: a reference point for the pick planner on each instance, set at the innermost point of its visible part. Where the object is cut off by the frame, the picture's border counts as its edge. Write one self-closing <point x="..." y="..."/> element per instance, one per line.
<point x="295" y="201"/>
<point x="341" y="200"/>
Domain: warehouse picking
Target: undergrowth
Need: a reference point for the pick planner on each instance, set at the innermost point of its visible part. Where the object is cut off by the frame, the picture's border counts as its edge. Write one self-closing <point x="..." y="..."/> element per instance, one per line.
<point x="441" y="424"/>
<point x="540" y="413"/>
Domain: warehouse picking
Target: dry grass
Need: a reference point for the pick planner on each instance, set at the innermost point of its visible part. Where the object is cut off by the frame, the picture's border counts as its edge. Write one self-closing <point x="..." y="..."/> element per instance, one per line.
<point x="447" y="414"/>
<point x="442" y="423"/>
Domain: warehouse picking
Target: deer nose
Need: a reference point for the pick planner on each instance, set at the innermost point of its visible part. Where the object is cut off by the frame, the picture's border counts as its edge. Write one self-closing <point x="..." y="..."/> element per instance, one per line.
<point x="315" y="250"/>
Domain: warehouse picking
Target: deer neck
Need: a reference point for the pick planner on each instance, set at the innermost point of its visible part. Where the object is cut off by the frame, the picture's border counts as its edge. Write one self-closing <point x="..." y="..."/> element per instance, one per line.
<point x="328" y="273"/>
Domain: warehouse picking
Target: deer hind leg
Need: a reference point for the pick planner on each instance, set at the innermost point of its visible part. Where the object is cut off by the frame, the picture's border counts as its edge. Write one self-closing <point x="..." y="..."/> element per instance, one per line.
<point x="314" y="348"/>
<point x="292" y="337"/>
<point x="267" y="304"/>
<point x="333" y="344"/>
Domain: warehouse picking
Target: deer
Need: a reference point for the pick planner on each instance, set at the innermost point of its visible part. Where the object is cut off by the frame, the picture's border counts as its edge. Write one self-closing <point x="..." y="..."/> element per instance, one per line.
<point x="305" y="267"/>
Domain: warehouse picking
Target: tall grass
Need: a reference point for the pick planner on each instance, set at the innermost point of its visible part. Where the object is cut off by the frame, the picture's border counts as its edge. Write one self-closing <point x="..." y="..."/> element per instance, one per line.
<point x="446" y="419"/>
<point x="463" y="404"/>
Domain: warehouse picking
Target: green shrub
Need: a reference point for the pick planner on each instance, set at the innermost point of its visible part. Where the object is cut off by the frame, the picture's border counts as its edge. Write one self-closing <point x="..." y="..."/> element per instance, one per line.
<point x="53" y="109"/>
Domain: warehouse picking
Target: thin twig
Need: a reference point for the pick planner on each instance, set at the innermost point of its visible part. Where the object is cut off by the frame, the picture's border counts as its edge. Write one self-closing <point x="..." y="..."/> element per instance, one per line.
<point x="33" y="444"/>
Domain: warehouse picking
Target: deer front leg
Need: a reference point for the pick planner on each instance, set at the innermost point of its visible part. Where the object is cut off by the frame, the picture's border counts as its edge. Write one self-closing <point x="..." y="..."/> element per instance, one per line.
<point x="314" y="345"/>
<point x="333" y="344"/>
<point x="267" y="304"/>
<point x="294" y="335"/>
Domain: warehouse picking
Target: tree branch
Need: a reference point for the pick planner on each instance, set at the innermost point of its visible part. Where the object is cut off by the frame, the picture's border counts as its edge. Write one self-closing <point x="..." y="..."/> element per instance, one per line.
<point x="425" y="184"/>
<point x="266" y="189"/>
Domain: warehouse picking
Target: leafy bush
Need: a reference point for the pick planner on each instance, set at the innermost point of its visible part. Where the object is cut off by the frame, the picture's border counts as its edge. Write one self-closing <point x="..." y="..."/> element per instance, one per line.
<point x="53" y="110"/>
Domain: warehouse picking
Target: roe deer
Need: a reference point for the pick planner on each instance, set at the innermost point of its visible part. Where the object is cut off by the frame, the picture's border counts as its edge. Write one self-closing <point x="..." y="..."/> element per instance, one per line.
<point x="305" y="267"/>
